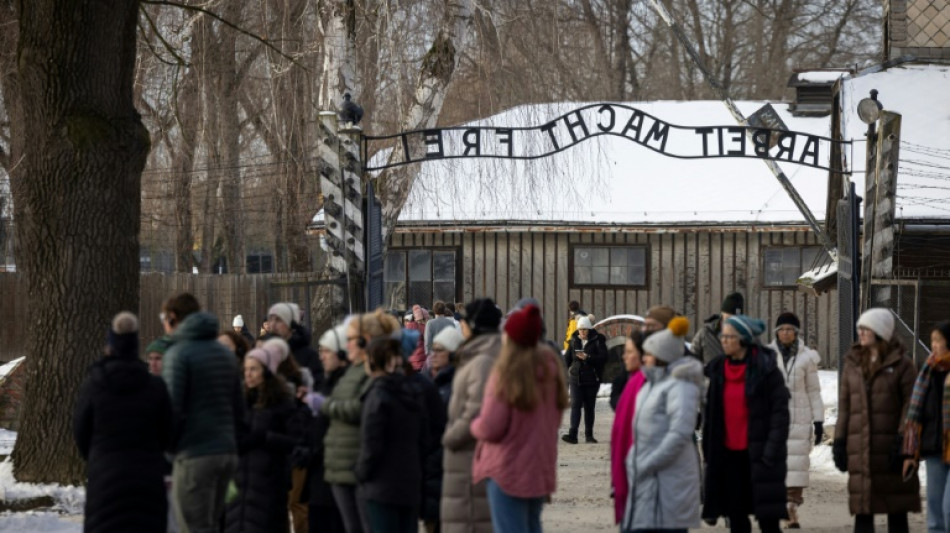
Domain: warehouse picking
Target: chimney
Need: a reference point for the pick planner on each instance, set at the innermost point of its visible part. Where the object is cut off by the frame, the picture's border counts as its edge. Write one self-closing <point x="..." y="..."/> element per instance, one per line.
<point x="917" y="28"/>
<point x="813" y="91"/>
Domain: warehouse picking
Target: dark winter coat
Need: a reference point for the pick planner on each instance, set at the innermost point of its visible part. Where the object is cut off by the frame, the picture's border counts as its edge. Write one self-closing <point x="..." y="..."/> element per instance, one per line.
<point x="767" y="401"/>
<point x="616" y="388"/>
<point x="202" y="379"/>
<point x="587" y="371"/>
<point x="122" y="425"/>
<point x="392" y="441"/>
<point x="432" y="465"/>
<point x="306" y="357"/>
<point x="246" y="333"/>
<point x="931" y="419"/>
<point x="870" y="412"/>
<point x="342" y="443"/>
<point x="263" y="473"/>
<point x="320" y="493"/>
<point x="706" y="345"/>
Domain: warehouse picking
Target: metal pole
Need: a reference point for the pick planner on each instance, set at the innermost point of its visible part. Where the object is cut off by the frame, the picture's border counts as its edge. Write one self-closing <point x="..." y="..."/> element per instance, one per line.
<point x="916" y="318"/>
<point x="823" y="237"/>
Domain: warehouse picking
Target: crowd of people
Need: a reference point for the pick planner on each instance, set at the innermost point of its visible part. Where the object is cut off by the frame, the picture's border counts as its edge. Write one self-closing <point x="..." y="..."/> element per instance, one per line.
<point x="449" y="419"/>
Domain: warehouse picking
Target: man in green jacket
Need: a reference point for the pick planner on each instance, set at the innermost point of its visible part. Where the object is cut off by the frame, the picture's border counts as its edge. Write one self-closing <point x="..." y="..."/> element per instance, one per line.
<point x="202" y="380"/>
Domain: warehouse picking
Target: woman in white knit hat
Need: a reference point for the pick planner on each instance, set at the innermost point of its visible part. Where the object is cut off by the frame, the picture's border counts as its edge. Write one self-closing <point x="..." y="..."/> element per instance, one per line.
<point x="875" y="390"/>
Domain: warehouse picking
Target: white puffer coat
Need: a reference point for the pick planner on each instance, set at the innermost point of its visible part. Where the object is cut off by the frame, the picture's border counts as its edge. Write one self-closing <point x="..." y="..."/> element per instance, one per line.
<point x="804" y="409"/>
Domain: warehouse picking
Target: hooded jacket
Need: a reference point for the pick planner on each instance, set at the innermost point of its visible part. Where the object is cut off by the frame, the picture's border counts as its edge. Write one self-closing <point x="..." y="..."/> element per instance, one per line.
<point x="122" y="425"/>
<point x="663" y="463"/>
<point x="706" y="345"/>
<point x="343" y="408"/>
<point x="202" y="379"/>
<point x="306" y="357"/>
<point x="804" y="408"/>
<point x="392" y="441"/>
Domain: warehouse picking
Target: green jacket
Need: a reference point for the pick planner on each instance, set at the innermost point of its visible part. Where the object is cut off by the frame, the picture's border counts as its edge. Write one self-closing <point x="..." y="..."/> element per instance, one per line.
<point x="342" y="442"/>
<point x="202" y="379"/>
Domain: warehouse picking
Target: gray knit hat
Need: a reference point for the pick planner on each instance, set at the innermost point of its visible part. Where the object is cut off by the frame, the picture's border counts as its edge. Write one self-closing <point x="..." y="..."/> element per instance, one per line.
<point x="668" y="345"/>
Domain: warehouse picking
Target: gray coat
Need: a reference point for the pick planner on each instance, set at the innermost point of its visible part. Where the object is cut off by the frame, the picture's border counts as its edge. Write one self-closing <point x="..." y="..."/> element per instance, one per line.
<point x="706" y="345"/>
<point x="663" y="464"/>
<point x="464" y="506"/>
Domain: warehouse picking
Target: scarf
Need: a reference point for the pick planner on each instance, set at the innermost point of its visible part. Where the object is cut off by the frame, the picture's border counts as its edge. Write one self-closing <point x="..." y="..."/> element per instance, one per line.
<point x="912" y="425"/>
<point x="621" y="439"/>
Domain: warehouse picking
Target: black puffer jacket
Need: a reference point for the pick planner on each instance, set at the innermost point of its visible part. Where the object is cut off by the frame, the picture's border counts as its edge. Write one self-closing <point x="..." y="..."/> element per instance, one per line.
<point x="767" y="400"/>
<point x="588" y="371"/>
<point x="432" y="467"/>
<point x="263" y="474"/>
<point x="304" y="354"/>
<point x="320" y="493"/>
<point x="123" y="423"/>
<point x="392" y="442"/>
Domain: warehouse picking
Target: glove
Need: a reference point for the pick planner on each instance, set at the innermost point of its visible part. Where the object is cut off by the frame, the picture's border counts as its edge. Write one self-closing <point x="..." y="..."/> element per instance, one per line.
<point x="840" y="454"/>
<point x="819" y="432"/>
<point x="315" y="401"/>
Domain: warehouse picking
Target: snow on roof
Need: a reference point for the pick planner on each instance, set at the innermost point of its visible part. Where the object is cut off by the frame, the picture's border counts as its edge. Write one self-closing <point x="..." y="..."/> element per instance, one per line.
<point x="820" y="76"/>
<point x="919" y="94"/>
<point x="611" y="180"/>
<point x="8" y="367"/>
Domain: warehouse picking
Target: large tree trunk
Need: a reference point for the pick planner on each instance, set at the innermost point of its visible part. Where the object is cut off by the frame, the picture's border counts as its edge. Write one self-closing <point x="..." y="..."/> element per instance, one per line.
<point x="77" y="201"/>
<point x="229" y="127"/>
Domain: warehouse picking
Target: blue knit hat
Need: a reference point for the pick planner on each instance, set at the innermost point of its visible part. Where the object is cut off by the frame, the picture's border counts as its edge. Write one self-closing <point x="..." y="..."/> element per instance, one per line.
<point x="748" y="328"/>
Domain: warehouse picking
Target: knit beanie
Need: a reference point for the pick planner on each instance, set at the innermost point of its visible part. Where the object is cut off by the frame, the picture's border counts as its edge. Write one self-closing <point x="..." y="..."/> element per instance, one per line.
<point x="584" y="323"/>
<point x="159" y="345"/>
<point x="748" y="328"/>
<point x="878" y="320"/>
<point x="944" y="329"/>
<point x="524" y="326"/>
<point x="333" y="339"/>
<point x="483" y="315"/>
<point x="788" y="319"/>
<point x="238" y="322"/>
<point x="662" y="314"/>
<point x="734" y="304"/>
<point x="668" y="345"/>
<point x="283" y="311"/>
<point x="525" y="302"/>
<point x="449" y="338"/>
<point x="123" y="337"/>
<point x="278" y="350"/>
<point x="266" y="358"/>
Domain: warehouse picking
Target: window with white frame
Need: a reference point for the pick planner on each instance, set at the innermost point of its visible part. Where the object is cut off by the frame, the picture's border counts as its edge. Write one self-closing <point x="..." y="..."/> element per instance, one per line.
<point x="609" y="266"/>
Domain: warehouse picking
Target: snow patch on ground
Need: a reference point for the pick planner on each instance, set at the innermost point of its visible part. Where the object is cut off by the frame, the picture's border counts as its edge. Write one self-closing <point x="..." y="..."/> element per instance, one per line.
<point x="40" y="522"/>
<point x="69" y="499"/>
<point x="828" y="379"/>
<point x="7" y="439"/>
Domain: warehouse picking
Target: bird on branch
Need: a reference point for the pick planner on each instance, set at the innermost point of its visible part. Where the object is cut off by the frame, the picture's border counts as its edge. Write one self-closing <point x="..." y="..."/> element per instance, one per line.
<point x="350" y="111"/>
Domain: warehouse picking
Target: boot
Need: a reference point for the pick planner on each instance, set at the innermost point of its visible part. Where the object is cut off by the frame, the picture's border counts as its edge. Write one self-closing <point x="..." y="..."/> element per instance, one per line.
<point x="570" y="437"/>
<point x="793" y="516"/>
<point x="589" y="437"/>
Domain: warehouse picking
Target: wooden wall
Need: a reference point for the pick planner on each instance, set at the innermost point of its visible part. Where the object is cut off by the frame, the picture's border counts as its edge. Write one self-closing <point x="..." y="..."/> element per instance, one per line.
<point x="692" y="270"/>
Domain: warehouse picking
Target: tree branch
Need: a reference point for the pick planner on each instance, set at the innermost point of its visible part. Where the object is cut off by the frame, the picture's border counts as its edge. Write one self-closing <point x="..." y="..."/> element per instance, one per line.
<point x="161" y="38"/>
<point x="231" y="25"/>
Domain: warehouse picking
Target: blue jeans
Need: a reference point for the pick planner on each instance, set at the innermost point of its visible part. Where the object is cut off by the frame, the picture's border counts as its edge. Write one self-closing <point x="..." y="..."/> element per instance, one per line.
<point x="938" y="495"/>
<point x="513" y="515"/>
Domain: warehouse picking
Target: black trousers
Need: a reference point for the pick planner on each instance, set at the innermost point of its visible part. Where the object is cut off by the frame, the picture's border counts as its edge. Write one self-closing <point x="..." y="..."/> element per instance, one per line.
<point x="739" y="495"/>
<point x="896" y="523"/>
<point x="583" y="396"/>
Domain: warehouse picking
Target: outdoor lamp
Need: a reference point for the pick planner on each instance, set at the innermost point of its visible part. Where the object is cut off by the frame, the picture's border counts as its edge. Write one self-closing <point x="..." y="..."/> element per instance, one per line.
<point x="869" y="109"/>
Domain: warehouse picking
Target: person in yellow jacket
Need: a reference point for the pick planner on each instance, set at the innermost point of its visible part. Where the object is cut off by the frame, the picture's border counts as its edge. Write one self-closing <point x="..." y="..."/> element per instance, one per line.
<point x="573" y="310"/>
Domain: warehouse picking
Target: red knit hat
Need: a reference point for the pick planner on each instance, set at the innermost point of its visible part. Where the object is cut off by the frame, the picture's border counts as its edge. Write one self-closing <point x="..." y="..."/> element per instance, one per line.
<point x="524" y="326"/>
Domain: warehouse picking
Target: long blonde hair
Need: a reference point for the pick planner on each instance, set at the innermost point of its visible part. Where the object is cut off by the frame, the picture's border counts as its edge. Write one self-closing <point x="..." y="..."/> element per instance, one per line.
<point x="518" y="382"/>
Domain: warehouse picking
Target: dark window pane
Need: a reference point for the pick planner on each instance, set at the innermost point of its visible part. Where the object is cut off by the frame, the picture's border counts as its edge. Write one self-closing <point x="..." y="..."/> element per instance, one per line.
<point x="600" y="275"/>
<point x="395" y="295"/>
<point x="619" y="257"/>
<point x="253" y="264"/>
<point x="582" y="275"/>
<point x="420" y="266"/>
<point x="267" y="263"/>
<point x="618" y="274"/>
<point x="638" y="275"/>
<point x="600" y="257"/>
<point x="395" y="266"/>
<point x="443" y="290"/>
<point x="145" y="262"/>
<point x="420" y="292"/>
<point x="443" y="267"/>
<point x="773" y="267"/>
<point x="809" y="257"/>
<point x="582" y="257"/>
<point x="638" y="256"/>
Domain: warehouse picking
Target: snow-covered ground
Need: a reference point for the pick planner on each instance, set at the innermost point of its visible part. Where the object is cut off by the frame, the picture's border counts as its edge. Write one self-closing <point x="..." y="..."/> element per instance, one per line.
<point x="64" y="517"/>
<point x="40" y="522"/>
<point x="7" y="438"/>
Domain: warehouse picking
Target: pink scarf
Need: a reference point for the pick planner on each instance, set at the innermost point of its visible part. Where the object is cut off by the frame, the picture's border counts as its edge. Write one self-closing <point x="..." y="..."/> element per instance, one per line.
<point x="621" y="439"/>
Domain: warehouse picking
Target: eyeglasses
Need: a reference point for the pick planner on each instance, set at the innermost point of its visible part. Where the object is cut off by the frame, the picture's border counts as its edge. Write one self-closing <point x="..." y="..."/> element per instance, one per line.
<point x="725" y="337"/>
<point x="786" y="330"/>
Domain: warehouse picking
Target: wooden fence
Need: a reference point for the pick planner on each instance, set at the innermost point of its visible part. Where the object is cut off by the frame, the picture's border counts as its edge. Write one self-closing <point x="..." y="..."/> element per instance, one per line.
<point x="226" y="296"/>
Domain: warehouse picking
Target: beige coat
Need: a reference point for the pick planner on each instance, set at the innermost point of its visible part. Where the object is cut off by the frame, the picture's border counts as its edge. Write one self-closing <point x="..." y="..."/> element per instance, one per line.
<point x="870" y="412"/>
<point x="464" y="506"/>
